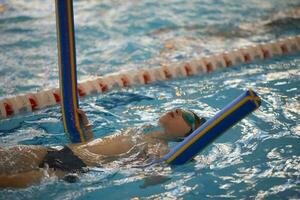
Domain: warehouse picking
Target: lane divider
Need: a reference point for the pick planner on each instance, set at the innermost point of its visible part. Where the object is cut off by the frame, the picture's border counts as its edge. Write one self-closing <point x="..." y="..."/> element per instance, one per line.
<point x="34" y="101"/>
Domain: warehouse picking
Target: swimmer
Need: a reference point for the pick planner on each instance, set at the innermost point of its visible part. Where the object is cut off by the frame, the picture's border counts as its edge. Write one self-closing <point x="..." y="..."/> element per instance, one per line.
<point x="24" y="165"/>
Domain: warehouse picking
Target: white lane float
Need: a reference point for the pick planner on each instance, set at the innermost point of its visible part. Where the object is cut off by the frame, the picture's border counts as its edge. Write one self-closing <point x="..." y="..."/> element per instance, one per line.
<point x="14" y="105"/>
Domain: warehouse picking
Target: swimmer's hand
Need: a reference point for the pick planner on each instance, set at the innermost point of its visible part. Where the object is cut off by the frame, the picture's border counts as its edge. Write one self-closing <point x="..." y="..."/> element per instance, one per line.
<point x="83" y="117"/>
<point x="86" y="123"/>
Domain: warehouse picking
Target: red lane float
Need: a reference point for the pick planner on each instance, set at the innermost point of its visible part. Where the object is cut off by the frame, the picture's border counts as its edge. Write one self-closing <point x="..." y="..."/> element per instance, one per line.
<point x="33" y="101"/>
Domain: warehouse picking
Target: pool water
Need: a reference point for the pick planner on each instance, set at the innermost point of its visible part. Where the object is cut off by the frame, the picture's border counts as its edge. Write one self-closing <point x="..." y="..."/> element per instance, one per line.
<point x="259" y="158"/>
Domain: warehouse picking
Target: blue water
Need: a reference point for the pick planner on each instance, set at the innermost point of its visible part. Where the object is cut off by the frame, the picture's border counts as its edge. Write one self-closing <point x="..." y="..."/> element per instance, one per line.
<point x="259" y="158"/>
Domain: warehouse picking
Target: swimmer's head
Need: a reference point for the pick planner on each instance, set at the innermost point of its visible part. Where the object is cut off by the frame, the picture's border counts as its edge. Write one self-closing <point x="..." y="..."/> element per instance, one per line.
<point x="179" y="123"/>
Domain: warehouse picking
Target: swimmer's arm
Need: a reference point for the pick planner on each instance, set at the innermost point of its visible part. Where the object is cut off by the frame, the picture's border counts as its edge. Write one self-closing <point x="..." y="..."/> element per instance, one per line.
<point x="90" y="134"/>
<point x="86" y="123"/>
<point x="25" y="179"/>
<point x="21" y="180"/>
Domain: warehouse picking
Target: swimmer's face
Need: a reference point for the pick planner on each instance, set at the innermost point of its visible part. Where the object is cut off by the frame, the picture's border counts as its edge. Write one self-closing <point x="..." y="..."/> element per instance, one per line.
<point x="174" y="124"/>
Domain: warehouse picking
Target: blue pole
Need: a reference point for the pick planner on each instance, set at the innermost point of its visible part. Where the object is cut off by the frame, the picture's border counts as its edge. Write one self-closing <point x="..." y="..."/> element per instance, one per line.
<point x="67" y="70"/>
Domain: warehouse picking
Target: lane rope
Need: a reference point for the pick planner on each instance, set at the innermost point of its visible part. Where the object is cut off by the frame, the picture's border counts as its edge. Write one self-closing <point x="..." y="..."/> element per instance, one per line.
<point x="14" y="105"/>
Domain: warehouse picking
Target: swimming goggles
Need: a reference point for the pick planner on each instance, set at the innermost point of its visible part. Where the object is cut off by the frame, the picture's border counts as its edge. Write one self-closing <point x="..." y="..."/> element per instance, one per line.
<point x="189" y="118"/>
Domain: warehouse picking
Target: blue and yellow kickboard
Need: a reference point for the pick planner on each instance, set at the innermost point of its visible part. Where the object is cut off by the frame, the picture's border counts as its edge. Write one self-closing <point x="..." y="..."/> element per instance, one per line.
<point x="67" y="71"/>
<point x="214" y="127"/>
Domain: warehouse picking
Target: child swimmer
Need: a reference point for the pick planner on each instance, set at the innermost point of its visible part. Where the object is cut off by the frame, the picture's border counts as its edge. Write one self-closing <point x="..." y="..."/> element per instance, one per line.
<point x="24" y="165"/>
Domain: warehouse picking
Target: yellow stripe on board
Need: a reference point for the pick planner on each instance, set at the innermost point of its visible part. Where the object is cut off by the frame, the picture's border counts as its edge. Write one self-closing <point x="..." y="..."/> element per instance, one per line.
<point x="74" y="91"/>
<point x="60" y="68"/>
<point x="254" y="97"/>
<point x="208" y="128"/>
